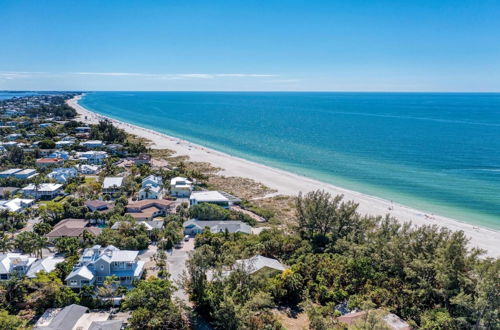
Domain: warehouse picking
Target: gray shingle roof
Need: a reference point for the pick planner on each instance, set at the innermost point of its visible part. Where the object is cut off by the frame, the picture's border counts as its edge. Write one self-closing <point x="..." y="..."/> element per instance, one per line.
<point x="66" y="319"/>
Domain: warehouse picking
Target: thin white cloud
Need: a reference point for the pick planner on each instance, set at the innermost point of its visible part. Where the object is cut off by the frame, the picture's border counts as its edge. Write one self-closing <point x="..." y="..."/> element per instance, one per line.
<point x="252" y="75"/>
<point x="9" y="75"/>
<point x="164" y="76"/>
<point x="113" y="74"/>
<point x="176" y="75"/>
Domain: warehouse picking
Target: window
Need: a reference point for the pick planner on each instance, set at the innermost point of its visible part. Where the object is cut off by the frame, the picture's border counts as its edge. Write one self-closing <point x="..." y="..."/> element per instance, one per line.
<point x="73" y="283"/>
<point x="102" y="267"/>
<point x="4" y="276"/>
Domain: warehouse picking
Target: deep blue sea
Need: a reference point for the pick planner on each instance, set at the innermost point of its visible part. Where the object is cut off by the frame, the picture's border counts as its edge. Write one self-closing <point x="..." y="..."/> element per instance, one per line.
<point x="433" y="151"/>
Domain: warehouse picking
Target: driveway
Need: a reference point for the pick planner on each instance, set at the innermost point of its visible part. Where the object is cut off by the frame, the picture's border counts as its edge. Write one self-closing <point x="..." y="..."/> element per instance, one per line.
<point x="176" y="259"/>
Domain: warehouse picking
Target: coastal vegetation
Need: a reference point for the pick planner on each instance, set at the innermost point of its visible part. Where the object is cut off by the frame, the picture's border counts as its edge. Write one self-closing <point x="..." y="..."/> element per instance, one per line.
<point x="426" y="275"/>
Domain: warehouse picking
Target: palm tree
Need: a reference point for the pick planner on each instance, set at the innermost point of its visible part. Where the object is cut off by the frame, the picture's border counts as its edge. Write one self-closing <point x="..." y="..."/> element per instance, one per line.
<point x="36" y="184"/>
<point x="25" y="242"/>
<point x="39" y="243"/>
<point x="147" y="190"/>
<point x="6" y="243"/>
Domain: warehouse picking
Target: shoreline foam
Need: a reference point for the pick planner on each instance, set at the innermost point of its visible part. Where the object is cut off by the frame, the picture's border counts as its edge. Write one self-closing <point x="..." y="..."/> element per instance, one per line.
<point x="287" y="183"/>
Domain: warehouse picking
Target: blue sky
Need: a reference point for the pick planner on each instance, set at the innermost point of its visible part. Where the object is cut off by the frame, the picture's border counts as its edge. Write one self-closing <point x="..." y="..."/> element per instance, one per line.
<point x="250" y="45"/>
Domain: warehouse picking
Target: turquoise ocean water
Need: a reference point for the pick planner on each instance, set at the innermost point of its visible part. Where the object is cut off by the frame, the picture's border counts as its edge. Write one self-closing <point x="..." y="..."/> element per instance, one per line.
<point x="432" y="151"/>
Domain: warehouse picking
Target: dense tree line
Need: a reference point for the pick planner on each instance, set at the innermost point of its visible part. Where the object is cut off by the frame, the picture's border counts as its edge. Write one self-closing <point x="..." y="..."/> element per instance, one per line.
<point x="107" y="132"/>
<point x="427" y="275"/>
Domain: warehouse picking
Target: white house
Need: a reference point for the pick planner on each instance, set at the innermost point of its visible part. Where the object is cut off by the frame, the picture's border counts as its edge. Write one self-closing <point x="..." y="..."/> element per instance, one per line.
<point x="92" y="157"/>
<point x="151" y="188"/>
<point x="112" y="184"/>
<point x="63" y="174"/>
<point x="152" y="180"/>
<point x="16" y="204"/>
<point x="180" y="187"/>
<point x="62" y="144"/>
<point x="213" y="197"/>
<point x="88" y="169"/>
<point x="151" y="192"/>
<point x="13" y="136"/>
<point x="92" y="144"/>
<point x="27" y="173"/>
<point x="44" y="190"/>
<point x="14" y="264"/>
<point x="47" y="265"/>
<point x="9" y="173"/>
<point x="194" y="227"/>
<point x="260" y="264"/>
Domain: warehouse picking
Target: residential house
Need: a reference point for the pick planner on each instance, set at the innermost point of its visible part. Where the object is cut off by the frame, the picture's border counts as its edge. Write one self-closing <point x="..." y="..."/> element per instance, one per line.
<point x="152" y="180"/>
<point x="72" y="228"/>
<point x="27" y="173"/>
<point x="181" y="187"/>
<point x="88" y="169"/>
<point x="151" y="188"/>
<point x="61" y="318"/>
<point x="97" y="263"/>
<point x="44" y="152"/>
<point x="59" y="154"/>
<point x="99" y="208"/>
<point x="142" y="159"/>
<point x="46" y="162"/>
<point x="78" y="318"/>
<point x="45" y="125"/>
<point x="14" y="264"/>
<point x="148" y="209"/>
<point x="213" y="197"/>
<point x="9" y="173"/>
<point x="194" y="227"/>
<point x="83" y="129"/>
<point x="11" y="144"/>
<point x="92" y="144"/>
<point x="112" y="185"/>
<point x="63" y="174"/>
<point x="13" y="137"/>
<point x="63" y="144"/>
<point x="92" y="157"/>
<point x="47" y="265"/>
<point x="256" y="266"/>
<point x="43" y="191"/>
<point x="151" y="192"/>
<point x="150" y="225"/>
<point x="6" y="192"/>
<point x="116" y="149"/>
<point x="16" y="204"/>
<point x="260" y="265"/>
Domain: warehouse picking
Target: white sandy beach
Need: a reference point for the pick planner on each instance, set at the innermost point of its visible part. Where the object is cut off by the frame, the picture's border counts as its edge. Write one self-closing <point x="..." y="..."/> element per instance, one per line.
<point x="291" y="184"/>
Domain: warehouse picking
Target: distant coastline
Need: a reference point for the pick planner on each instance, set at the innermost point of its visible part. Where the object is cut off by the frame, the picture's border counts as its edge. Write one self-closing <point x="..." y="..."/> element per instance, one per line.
<point x="290" y="184"/>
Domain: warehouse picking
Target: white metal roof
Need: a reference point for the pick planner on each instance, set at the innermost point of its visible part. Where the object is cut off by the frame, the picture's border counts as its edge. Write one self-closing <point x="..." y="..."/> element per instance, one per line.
<point x="112" y="181"/>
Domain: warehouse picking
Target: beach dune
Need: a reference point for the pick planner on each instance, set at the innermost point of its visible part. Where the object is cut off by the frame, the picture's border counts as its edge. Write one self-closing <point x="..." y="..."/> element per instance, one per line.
<point x="291" y="184"/>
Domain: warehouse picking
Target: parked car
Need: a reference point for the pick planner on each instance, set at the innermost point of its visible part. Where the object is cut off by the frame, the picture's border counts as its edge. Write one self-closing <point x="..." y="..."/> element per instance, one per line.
<point x="186" y="238"/>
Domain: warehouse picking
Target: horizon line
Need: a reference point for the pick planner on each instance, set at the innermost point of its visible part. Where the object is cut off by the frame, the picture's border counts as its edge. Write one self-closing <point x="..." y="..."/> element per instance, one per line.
<point x="246" y="91"/>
